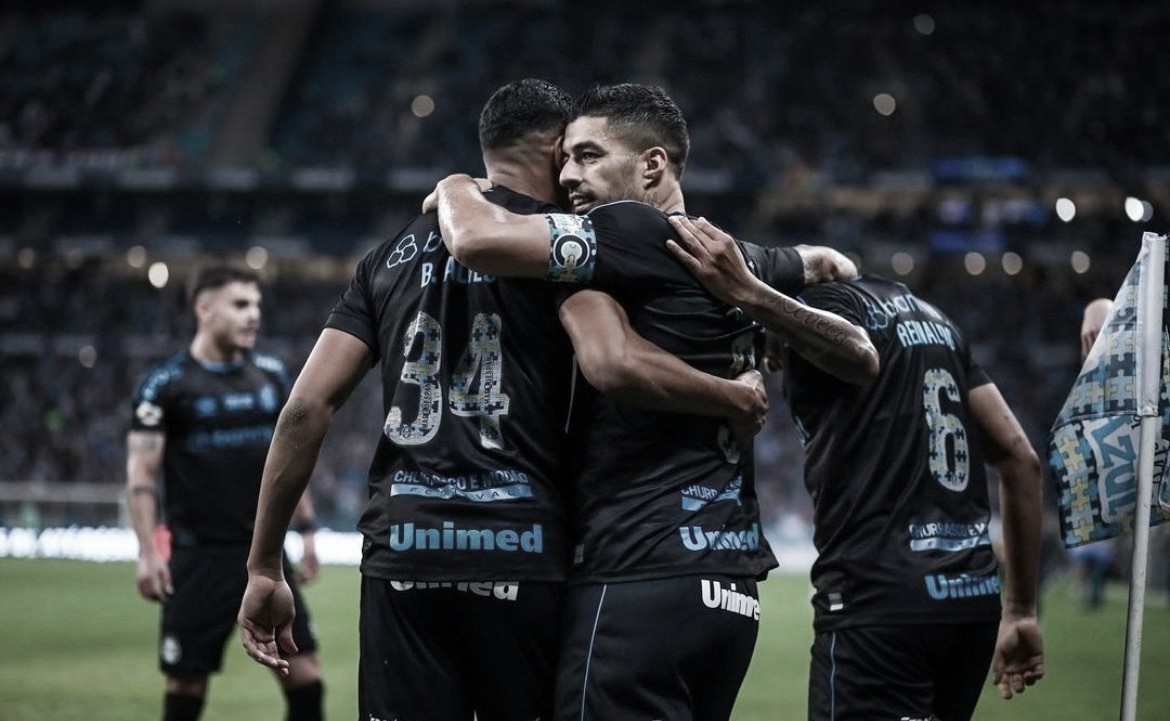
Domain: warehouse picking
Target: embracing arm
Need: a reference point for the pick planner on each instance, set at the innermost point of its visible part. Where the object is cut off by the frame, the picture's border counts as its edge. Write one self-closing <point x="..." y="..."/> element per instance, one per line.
<point x="1019" y="653"/>
<point x="486" y="237"/>
<point x="144" y="455"/>
<point x="825" y="339"/>
<point x="619" y="362"/>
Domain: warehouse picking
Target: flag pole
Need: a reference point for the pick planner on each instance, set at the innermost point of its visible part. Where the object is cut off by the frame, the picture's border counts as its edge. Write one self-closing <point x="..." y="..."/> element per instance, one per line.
<point x="1150" y="307"/>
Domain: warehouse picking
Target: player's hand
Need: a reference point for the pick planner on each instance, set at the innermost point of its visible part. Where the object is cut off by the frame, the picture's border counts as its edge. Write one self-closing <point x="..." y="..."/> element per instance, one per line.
<point x="823" y="264"/>
<point x="153" y="577"/>
<point x="1096" y="313"/>
<point x="265" y="621"/>
<point x="1018" y="661"/>
<point x="753" y="407"/>
<point x="713" y="257"/>
<point x="310" y="566"/>
<point x="431" y="202"/>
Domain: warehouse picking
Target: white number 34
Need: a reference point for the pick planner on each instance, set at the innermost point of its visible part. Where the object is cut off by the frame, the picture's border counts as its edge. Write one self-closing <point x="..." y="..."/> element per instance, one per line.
<point x="475" y="382"/>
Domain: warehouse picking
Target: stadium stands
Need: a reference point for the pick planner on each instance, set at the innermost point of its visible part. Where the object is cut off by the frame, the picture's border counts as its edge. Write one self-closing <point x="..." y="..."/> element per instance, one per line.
<point x="109" y="118"/>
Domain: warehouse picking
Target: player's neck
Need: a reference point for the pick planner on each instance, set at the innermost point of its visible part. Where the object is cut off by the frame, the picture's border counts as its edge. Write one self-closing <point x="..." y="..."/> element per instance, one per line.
<point x="668" y="198"/>
<point x="204" y="349"/>
<point x="525" y="181"/>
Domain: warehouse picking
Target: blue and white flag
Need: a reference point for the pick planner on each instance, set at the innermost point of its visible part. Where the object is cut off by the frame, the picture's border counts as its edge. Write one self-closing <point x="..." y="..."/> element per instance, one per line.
<point x="1093" y="449"/>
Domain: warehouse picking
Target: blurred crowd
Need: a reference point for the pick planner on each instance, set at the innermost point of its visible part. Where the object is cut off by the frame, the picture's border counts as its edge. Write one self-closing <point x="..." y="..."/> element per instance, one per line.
<point x="781" y="98"/>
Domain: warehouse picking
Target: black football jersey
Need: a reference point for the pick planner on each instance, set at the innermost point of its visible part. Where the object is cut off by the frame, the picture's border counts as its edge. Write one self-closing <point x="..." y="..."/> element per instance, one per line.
<point x="663" y="494"/>
<point x="467" y="482"/>
<point x="894" y="468"/>
<point x="218" y="420"/>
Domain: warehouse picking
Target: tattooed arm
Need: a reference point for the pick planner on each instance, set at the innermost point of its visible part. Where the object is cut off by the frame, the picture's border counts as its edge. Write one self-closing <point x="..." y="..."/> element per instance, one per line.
<point x="825" y="339"/>
<point x="144" y="454"/>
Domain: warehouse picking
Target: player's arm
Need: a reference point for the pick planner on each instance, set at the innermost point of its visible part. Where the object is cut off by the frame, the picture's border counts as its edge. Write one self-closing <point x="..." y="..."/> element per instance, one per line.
<point x="1019" y="652"/>
<point x="144" y="455"/>
<point x="825" y="339"/>
<point x="1093" y="320"/>
<point x="486" y="237"/>
<point x="619" y="362"/>
<point x="304" y="522"/>
<point x="823" y="264"/>
<point x="335" y="366"/>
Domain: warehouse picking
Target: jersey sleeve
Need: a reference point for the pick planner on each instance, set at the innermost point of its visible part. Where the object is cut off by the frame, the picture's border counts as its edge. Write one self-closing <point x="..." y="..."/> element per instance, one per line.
<point x="354" y="313"/>
<point x="149" y="403"/>
<point x="781" y="268"/>
<point x="614" y="245"/>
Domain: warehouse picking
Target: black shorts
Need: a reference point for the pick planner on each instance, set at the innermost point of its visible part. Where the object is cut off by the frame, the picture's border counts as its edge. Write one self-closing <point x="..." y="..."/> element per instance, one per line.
<point x="671" y="649"/>
<point x="446" y="651"/>
<point x="196" y="622"/>
<point x="900" y="673"/>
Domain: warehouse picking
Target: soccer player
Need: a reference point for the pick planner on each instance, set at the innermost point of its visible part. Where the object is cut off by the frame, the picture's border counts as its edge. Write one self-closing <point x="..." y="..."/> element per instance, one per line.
<point x="466" y="533"/>
<point x="907" y="606"/>
<point x="662" y="606"/>
<point x="204" y="419"/>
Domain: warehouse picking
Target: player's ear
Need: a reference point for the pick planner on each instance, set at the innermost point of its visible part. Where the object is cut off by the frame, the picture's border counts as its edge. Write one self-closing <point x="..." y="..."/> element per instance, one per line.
<point x="559" y="152"/>
<point x="654" y="165"/>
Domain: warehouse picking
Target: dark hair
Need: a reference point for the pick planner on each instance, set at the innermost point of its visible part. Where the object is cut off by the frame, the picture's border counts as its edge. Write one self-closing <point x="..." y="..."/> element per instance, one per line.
<point x="644" y="114"/>
<point x="217" y="276"/>
<point x="522" y="107"/>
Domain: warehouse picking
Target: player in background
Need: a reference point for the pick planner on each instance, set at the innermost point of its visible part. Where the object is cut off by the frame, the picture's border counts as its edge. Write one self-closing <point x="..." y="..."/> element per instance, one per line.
<point x="466" y="533"/>
<point x="203" y="418"/>
<point x="662" y="608"/>
<point x="908" y="612"/>
<point x="1091" y="562"/>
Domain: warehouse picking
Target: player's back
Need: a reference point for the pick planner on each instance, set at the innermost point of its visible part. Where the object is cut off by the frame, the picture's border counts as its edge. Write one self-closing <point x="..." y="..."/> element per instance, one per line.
<point x="894" y="469"/>
<point x="475" y="370"/>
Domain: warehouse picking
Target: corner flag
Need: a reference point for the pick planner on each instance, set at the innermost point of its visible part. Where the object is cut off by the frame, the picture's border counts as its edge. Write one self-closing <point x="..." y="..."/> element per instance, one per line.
<point x="1094" y="447"/>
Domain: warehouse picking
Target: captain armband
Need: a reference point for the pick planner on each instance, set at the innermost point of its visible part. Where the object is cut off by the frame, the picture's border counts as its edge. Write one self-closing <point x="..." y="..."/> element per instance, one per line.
<point x="147" y="490"/>
<point x="572" y="254"/>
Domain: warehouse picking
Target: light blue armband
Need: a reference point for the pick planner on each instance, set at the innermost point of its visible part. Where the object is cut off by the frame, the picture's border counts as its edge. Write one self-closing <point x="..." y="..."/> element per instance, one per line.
<point x="572" y="255"/>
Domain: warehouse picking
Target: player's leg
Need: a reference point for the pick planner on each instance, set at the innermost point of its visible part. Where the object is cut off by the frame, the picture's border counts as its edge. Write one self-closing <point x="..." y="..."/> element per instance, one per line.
<point x="407" y="665"/>
<point x="654" y="649"/>
<point x="184" y="698"/>
<point x="963" y="669"/>
<point x="729" y="615"/>
<point x="195" y="625"/>
<point x="863" y="673"/>
<point x="512" y="635"/>
<point x="304" y="693"/>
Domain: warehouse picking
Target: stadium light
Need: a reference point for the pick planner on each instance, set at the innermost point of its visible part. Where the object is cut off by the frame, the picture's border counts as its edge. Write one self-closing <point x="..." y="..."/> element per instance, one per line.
<point x="158" y="274"/>
<point x="975" y="263"/>
<point x="1066" y="210"/>
<point x="885" y="104"/>
<point x="136" y="256"/>
<point x="256" y="257"/>
<point x="924" y="24"/>
<point x="1138" y="210"/>
<point x="902" y="263"/>
<point x="1012" y="263"/>
<point x="422" y="105"/>
<point x="1080" y="262"/>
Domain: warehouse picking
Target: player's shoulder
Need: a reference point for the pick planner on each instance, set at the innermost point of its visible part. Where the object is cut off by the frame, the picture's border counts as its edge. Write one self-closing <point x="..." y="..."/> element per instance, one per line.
<point x="269" y="363"/>
<point x="629" y="215"/>
<point x="518" y="202"/>
<point x="162" y="374"/>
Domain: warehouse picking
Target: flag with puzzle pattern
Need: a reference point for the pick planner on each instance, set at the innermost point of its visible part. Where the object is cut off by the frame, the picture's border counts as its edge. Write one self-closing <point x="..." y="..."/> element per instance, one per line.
<point x="1093" y="448"/>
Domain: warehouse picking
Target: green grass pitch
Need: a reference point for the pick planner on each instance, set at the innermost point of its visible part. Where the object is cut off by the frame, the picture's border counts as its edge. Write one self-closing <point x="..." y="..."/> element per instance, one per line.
<point x="79" y="645"/>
